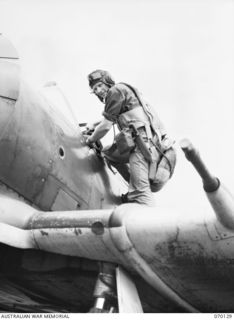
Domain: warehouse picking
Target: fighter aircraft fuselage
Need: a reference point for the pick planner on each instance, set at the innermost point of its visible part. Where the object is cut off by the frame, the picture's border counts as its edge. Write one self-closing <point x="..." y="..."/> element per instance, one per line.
<point x="45" y="159"/>
<point x="60" y="214"/>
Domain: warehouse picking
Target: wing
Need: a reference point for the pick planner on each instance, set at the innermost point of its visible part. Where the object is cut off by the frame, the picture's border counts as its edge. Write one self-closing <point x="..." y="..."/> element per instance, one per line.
<point x="121" y="236"/>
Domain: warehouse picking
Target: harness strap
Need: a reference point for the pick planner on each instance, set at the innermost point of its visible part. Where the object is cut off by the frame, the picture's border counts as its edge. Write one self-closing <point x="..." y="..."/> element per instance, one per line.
<point x="157" y="132"/>
<point x="146" y="110"/>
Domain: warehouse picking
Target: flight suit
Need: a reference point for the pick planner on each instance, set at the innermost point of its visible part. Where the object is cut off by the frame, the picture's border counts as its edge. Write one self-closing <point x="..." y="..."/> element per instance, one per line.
<point x="120" y="100"/>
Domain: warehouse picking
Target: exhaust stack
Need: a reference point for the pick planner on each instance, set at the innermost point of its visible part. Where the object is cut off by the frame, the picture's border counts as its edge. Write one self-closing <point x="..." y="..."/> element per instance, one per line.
<point x="219" y="197"/>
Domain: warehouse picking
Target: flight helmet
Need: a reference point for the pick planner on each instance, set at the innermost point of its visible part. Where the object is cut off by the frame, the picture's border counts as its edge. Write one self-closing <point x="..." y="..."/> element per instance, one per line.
<point x="100" y="75"/>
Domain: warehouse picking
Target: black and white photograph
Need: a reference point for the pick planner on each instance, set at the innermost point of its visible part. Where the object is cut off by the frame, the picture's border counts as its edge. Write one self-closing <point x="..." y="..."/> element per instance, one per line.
<point x="116" y="158"/>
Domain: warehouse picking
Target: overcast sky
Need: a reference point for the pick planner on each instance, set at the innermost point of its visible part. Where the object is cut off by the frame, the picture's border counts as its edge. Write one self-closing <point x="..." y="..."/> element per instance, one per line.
<point x="179" y="54"/>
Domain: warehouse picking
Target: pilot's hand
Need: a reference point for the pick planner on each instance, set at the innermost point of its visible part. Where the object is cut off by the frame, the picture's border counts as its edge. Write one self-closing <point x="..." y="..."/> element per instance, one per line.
<point x="89" y="142"/>
<point x="89" y="127"/>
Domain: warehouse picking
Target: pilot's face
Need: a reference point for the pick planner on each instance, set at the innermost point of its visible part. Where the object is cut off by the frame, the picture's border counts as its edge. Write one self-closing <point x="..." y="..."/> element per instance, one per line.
<point x="101" y="90"/>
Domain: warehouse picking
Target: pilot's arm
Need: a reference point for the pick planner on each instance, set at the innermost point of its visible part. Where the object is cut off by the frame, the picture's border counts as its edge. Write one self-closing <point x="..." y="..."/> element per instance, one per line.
<point x="100" y="131"/>
<point x="115" y="101"/>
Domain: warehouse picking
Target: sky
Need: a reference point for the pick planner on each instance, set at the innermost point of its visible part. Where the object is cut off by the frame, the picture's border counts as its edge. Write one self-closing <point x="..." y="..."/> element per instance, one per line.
<point x="179" y="54"/>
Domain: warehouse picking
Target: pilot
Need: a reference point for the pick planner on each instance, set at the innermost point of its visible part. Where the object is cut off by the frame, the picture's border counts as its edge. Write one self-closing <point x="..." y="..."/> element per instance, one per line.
<point x="124" y="106"/>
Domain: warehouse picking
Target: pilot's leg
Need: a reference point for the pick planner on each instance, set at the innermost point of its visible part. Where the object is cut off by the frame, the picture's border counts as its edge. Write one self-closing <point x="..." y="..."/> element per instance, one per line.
<point x="120" y="162"/>
<point x="123" y="169"/>
<point x="139" y="187"/>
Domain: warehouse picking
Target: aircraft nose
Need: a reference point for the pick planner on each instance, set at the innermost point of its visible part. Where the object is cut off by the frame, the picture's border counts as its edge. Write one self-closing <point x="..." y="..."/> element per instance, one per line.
<point x="9" y="80"/>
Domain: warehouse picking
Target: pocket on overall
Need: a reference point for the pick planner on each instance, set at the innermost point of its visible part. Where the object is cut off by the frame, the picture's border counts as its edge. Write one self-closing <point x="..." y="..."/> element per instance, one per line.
<point x="124" y="141"/>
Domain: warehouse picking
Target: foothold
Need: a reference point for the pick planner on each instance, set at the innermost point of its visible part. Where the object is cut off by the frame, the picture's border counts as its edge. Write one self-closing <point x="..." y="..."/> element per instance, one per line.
<point x="61" y="152"/>
<point x="98" y="228"/>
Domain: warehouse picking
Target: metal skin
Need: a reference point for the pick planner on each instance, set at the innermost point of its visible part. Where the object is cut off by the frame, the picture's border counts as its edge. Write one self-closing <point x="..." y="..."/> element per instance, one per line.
<point x="60" y="215"/>
<point x="46" y="161"/>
